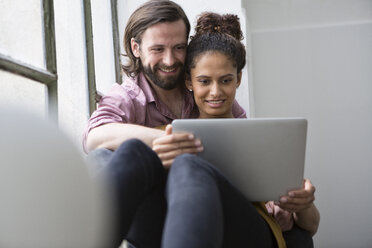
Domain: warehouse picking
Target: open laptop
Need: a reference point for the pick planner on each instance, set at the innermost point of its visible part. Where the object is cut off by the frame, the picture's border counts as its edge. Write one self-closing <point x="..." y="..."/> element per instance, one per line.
<point x="264" y="158"/>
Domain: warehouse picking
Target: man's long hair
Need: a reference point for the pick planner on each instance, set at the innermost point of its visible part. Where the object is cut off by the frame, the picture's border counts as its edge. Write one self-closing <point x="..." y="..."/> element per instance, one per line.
<point x="150" y="13"/>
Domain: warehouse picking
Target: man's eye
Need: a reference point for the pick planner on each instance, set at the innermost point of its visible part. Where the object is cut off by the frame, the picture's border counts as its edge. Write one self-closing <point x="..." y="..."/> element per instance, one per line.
<point x="181" y="47"/>
<point x="158" y="49"/>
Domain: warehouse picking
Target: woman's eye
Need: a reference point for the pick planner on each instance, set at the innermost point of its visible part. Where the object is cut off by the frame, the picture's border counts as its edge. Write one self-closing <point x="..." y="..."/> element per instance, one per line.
<point x="227" y="81"/>
<point x="203" y="81"/>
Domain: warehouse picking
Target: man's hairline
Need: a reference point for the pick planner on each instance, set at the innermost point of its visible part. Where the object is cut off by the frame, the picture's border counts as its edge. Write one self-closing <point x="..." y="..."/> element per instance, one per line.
<point x="139" y="41"/>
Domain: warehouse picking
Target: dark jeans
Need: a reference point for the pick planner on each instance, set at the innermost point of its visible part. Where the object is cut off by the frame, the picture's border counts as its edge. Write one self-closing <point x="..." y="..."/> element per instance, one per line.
<point x="135" y="178"/>
<point x="204" y="209"/>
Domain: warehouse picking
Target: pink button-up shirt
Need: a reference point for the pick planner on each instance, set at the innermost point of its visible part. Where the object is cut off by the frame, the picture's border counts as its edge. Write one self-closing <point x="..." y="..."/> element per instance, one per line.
<point x="135" y="102"/>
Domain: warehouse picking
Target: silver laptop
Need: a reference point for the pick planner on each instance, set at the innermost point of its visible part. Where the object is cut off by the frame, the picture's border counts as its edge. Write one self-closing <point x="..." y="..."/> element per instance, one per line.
<point x="264" y="158"/>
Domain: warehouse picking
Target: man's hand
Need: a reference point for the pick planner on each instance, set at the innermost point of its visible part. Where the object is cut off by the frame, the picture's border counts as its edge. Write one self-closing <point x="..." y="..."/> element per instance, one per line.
<point x="298" y="200"/>
<point x="169" y="146"/>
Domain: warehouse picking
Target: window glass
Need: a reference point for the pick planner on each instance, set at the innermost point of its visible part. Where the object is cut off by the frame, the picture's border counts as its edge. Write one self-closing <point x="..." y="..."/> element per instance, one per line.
<point x="21" y="28"/>
<point x="103" y="45"/>
<point x="23" y="92"/>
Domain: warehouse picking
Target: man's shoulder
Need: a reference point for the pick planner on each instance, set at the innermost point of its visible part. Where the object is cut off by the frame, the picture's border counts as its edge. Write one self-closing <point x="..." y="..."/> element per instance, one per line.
<point x="130" y="87"/>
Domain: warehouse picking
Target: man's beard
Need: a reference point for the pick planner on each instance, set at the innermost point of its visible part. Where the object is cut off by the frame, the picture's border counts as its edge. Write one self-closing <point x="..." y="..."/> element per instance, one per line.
<point x="165" y="82"/>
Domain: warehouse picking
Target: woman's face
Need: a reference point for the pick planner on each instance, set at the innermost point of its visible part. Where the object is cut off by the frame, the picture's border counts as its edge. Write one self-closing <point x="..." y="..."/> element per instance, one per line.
<point x="214" y="81"/>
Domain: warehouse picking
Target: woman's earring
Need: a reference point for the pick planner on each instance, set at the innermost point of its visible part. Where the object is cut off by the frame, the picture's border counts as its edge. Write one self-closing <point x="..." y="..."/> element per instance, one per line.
<point x="190" y="90"/>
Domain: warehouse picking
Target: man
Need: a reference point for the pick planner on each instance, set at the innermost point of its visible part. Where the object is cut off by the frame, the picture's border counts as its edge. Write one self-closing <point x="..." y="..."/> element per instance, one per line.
<point x="153" y="95"/>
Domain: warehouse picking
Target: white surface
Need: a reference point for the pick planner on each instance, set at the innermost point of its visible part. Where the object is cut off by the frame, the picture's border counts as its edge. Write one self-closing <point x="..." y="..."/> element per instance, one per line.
<point x="47" y="197"/>
<point x="22" y="35"/>
<point x="72" y="68"/>
<point x="313" y="59"/>
<point x="17" y="90"/>
<point x="103" y="45"/>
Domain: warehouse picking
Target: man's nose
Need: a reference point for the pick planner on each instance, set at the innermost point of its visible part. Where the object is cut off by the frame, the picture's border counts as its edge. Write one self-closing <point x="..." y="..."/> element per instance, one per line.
<point x="168" y="58"/>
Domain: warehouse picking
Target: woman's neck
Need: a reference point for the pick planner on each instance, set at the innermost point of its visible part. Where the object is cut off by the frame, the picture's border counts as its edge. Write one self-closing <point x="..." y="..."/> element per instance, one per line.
<point x="206" y="116"/>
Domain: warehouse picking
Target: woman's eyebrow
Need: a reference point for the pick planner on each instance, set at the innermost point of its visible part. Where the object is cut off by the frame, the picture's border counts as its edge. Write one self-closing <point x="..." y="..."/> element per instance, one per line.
<point x="227" y="75"/>
<point x="205" y="76"/>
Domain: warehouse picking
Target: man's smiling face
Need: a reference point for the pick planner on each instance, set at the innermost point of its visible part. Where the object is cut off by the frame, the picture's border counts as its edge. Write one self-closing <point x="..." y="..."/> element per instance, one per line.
<point x="162" y="52"/>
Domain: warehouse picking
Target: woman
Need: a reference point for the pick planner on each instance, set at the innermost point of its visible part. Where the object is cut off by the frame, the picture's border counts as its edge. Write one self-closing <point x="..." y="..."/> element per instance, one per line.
<point x="205" y="209"/>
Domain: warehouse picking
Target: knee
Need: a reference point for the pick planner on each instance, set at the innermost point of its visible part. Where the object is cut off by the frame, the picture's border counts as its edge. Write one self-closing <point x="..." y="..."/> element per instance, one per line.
<point x="133" y="146"/>
<point x="188" y="166"/>
<point x="135" y="160"/>
<point x="190" y="173"/>
<point x="135" y="153"/>
<point x="190" y="162"/>
<point x="184" y="163"/>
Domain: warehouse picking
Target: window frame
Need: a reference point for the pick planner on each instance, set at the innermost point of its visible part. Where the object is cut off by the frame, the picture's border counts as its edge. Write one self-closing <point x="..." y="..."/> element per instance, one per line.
<point x="47" y="76"/>
<point x="93" y="95"/>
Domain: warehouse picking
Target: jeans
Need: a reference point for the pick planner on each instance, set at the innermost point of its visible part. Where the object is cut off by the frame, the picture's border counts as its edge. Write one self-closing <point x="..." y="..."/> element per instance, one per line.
<point x="135" y="178"/>
<point x="206" y="210"/>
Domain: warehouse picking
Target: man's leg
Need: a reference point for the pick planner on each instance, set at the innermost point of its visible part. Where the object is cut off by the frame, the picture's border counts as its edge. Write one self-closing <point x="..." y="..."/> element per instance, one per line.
<point x="98" y="159"/>
<point x="135" y="179"/>
<point x="205" y="210"/>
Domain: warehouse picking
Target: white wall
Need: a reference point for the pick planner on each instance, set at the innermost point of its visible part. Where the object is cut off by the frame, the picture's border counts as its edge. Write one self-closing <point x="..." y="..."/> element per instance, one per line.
<point x="103" y="45"/>
<point x="71" y="68"/>
<point x="313" y="59"/>
<point x="192" y="10"/>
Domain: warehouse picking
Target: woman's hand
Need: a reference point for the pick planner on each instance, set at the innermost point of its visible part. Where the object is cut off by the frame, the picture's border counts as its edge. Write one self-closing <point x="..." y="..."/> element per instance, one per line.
<point x="169" y="146"/>
<point x="301" y="204"/>
<point x="298" y="200"/>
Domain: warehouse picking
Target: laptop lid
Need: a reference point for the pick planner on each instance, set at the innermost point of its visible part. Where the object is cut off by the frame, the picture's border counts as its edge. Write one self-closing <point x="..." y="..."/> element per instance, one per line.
<point x="264" y="158"/>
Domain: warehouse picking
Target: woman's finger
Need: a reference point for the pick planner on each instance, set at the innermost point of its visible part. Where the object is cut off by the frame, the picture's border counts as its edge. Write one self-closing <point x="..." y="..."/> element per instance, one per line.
<point x="173" y="138"/>
<point x="161" y="148"/>
<point x="173" y="154"/>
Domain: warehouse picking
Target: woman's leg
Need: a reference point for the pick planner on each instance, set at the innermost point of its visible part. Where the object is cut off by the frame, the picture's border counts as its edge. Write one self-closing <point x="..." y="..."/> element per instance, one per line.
<point x="135" y="179"/>
<point x="298" y="238"/>
<point x="205" y="210"/>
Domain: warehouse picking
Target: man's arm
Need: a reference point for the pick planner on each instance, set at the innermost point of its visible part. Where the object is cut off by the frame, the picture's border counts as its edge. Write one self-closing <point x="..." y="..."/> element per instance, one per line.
<point x="112" y="135"/>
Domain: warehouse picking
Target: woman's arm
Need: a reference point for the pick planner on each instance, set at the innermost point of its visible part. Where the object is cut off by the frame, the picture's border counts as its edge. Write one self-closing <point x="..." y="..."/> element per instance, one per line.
<point x="301" y="204"/>
<point x="308" y="219"/>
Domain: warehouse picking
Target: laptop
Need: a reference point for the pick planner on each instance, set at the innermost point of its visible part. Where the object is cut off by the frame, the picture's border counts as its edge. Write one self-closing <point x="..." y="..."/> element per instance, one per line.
<point x="264" y="157"/>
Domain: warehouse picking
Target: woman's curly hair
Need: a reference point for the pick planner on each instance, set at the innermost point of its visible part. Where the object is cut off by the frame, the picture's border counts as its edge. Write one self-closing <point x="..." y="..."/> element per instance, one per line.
<point x="216" y="33"/>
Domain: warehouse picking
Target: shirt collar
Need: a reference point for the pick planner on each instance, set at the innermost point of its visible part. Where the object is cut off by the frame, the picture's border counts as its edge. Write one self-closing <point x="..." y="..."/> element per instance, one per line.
<point x="146" y="88"/>
<point x="188" y="107"/>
